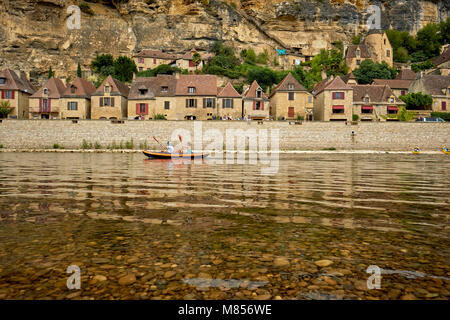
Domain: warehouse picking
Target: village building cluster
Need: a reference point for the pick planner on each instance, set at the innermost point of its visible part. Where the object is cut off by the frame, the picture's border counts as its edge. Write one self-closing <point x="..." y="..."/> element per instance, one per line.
<point x="198" y="97"/>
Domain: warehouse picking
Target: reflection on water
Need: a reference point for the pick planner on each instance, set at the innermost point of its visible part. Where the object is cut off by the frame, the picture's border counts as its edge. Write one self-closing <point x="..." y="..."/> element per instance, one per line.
<point x="174" y="230"/>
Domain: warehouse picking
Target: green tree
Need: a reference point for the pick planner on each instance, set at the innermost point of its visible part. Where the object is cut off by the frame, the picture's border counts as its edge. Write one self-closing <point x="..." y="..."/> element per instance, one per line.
<point x="124" y="68"/>
<point x="401" y="55"/>
<point x="250" y="56"/>
<point x="429" y="40"/>
<point x="101" y="62"/>
<point x="370" y="70"/>
<point x="196" y="58"/>
<point x="417" y="101"/>
<point x="356" y="40"/>
<point x="161" y="69"/>
<point x="79" y="73"/>
<point x="50" y="72"/>
<point x="5" y="109"/>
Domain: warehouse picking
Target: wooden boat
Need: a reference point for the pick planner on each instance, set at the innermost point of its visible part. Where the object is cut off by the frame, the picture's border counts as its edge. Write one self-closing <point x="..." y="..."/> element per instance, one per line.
<point x="445" y="150"/>
<point x="168" y="156"/>
<point x="416" y="151"/>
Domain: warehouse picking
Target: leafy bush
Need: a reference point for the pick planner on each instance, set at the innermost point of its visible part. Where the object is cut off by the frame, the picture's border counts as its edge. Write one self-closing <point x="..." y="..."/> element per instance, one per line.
<point x="405" y="115"/>
<point x="355" y="117"/>
<point x="416" y="67"/>
<point x="84" y="7"/>
<point x="56" y="146"/>
<point x="443" y="115"/>
<point x="85" y="145"/>
<point x="5" y="108"/>
<point x="356" y="40"/>
<point x="417" y="101"/>
<point x="97" y="145"/>
<point x="159" y="117"/>
<point x="370" y="70"/>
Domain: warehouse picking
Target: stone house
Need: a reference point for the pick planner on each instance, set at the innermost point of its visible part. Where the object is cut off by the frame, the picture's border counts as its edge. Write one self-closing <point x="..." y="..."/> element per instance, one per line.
<point x="186" y="61"/>
<point x="229" y="102"/>
<point x="437" y="86"/>
<point x="375" y="102"/>
<point x="17" y="91"/>
<point x="255" y="103"/>
<point x="290" y="100"/>
<point x="46" y="102"/>
<point x="76" y="100"/>
<point x="333" y="100"/>
<point x="197" y="94"/>
<point x="149" y="59"/>
<point x="109" y="101"/>
<point x="442" y="63"/>
<point x="375" y="46"/>
<point x="399" y="87"/>
<point x="406" y="74"/>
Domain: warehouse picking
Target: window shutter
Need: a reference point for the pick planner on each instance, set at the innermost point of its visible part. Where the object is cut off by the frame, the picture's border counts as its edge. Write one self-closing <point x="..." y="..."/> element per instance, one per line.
<point x="101" y="102"/>
<point x="204" y="102"/>
<point x="334" y="95"/>
<point x="40" y="104"/>
<point x="3" y="94"/>
<point x="137" y="108"/>
<point x="254" y="105"/>
<point x="49" y="104"/>
<point x="232" y="103"/>
<point x="223" y="103"/>
<point x="444" y="105"/>
<point x="214" y="103"/>
<point x="187" y="103"/>
<point x="343" y="95"/>
<point x="195" y="103"/>
<point x="68" y="105"/>
<point x="262" y="105"/>
<point x="146" y="108"/>
<point x="112" y="102"/>
<point x="12" y="94"/>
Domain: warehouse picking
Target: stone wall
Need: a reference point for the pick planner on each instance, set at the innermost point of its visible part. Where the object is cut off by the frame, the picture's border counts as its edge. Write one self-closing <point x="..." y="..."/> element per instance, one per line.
<point x="386" y="136"/>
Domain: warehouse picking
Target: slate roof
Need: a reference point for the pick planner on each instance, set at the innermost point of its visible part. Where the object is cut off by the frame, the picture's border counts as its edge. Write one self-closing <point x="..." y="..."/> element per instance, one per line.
<point x="443" y="58"/>
<point x="406" y="74"/>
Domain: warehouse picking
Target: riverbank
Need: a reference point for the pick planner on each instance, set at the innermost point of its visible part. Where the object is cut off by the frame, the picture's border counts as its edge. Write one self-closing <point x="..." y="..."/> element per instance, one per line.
<point x="138" y="135"/>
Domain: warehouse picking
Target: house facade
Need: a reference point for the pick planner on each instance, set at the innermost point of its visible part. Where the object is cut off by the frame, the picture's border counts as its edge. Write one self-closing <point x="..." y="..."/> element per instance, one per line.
<point x="149" y="59"/>
<point x="76" y="100"/>
<point x="17" y="91"/>
<point x="399" y="87"/>
<point x="46" y="102"/>
<point x="375" y="46"/>
<point x="442" y="62"/>
<point x="438" y="87"/>
<point x="109" y="101"/>
<point x="186" y="61"/>
<point x="229" y="103"/>
<point x="333" y="100"/>
<point x="290" y="100"/>
<point x="375" y="102"/>
<point x="255" y="103"/>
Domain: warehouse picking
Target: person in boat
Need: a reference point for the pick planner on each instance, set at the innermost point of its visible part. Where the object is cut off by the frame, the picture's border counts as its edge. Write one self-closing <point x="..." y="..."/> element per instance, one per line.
<point x="416" y="149"/>
<point x="169" y="147"/>
<point x="445" y="149"/>
<point x="189" y="148"/>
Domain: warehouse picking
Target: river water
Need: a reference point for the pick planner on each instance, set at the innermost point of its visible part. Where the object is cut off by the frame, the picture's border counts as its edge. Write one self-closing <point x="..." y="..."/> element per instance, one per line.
<point x="141" y="229"/>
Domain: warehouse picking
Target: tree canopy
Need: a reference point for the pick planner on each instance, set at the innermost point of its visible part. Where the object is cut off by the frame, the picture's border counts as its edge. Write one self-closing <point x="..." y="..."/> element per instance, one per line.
<point x="369" y="70"/>
<point x="417" y="101"/>
<point x="121" y="68"/>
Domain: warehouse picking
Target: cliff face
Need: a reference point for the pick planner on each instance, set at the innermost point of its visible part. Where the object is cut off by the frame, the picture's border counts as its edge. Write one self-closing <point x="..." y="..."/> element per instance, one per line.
<point x="34" y="35"/>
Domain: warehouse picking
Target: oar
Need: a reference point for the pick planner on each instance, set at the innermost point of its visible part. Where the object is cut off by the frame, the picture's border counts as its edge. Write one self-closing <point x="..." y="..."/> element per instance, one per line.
<point x="158" y="142"/>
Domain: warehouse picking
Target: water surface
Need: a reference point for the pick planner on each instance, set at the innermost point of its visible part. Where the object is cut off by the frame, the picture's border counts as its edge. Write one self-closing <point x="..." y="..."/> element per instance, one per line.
<point x="141" y="229"/>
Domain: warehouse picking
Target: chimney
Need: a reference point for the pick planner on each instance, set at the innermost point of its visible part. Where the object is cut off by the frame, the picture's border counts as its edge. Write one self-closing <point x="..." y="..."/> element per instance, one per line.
<point x="323" y="75"/>
<point x="177" y="75"/>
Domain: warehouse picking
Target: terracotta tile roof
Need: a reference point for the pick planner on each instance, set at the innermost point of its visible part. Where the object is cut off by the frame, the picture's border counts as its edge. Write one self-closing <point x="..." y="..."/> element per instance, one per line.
<point x="141" y="89"/>
<point x="318" y="88"/>
<point x="284" y="85"/>
<point x="394" y="84"/>
<point x="435" y="84"/>
<point x="83" y="89"/>
<point x="351" y="51"/>
<point x="155" y="54"/>
<point x="55" y="88"/>
<point x="443" y="58"/>
<point x="406" y="74"/>
<point x="376" y="93"/>
<point x="14" y="82"/>
<point x="337" y="84"/>
<point x="250" y="93"/>
<point x="228" y="92"/>
<point x="205" y="85"/>
<point x="348" y="77"/>
<point x="117" y="87"/>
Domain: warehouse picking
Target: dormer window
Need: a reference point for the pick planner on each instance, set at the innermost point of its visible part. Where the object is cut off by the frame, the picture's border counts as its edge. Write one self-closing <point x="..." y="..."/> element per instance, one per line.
<point x="358" y="53"/>
<point x="73" y="89"/>
<point x="165" y="89"/>
<point x="142" y="91"/>
<point x="392" y="100"/>
<point x="366" y="99"/>
<point x="45" y="91"/>
<point x="291" y="86"/>
<point x="107" y="89"/>
<point x="2" y="81"/>
<point x="191" y="90"/>
<point x="258" y="93"/>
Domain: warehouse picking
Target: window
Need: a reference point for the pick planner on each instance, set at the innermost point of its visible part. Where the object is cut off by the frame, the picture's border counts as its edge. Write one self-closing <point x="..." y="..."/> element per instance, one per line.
<point x="227" y="103"/>
<point x="45" y="91"/>
<point x="191" y="103"/>
<point x="358" y="62"/>
<point x="143" y="91"/>
<point x="9" y="94"/>
<point x="391" y="100"/>
<point x="107" y="89"/>
<point x="388" y="53"/>
<point x="164" y="89"/>
<point x="142" y="108"/>
<point x="154" y="61"/>
<point x="258" y="105"/>
<point x="191" y="90"/>
<point x="2" y="81"/>
<point x="166" y="105"/>
<point x="258" y="93"/>
<point x="366" y="109"/>
<point x="291" y="96"/>
<point x="309" y="99"/>
<point x="384" y="41"/>
<point x="291" y="86"/>
<point x="403" y="92"/>
<point x="45" y="104"/>
<point x="338" y="109"/>
<point x="338" y="95"/>
<point x="209" y="103"/>
<point x="141" y="60"/>
<point x="73" y="89"/>
<point x="141" y="69"/>
<point x="106" y="102"/>
<point x="366" y="99"/>
<point x="392" y="110"/>
<point x="72" y="105"/>
<point x="358" y="53"/>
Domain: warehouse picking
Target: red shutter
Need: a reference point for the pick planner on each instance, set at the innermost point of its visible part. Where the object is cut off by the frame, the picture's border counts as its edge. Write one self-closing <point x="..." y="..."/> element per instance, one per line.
<point x="101" y="102"/>
<point x="112" y="102"/>
<point x="49" y="104"/>
<point x="254" y="105"/>
<point x="262" y="105"/>
<point x="137" y="108"/>
<point x="12" y="94"/>
<point x="334" y="95"/>
<point x="343" y="95"/>
<point x="3" y="94"/>
<point x="444" y="105"/>
<point x="146" y="108"/>
<point x="40" y="104"/>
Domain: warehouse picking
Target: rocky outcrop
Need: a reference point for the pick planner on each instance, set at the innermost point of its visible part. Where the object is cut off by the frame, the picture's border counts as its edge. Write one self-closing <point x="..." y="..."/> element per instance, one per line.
<point x="34" y="34"/>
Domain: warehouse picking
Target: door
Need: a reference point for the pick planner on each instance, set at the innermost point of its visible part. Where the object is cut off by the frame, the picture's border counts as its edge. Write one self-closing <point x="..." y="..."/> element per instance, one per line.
<point x="291" y="112"/>
<point x="444" y="105"/>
